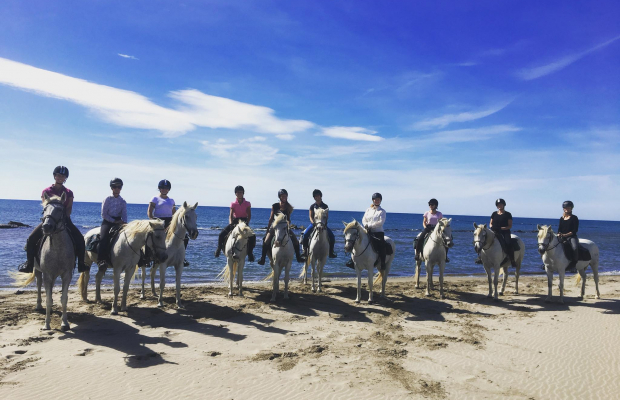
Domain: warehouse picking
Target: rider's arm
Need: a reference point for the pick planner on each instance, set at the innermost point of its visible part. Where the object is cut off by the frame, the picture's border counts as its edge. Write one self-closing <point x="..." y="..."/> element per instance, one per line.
<point x="509" y="227"/>
<point x="123" y="214"/>
<point x="270" y="220"/>
<point x="69" y="206"/>
<point x="150" y="210"/>
<point x="310" y="215"/>
<point x="424" y="221"/>
<point x="230" y="216"/>
<point x="249" y="211"/>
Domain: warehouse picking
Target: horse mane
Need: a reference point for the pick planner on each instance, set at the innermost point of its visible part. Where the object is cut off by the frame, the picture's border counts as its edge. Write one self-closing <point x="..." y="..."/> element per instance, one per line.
<point x="140" y="226"/>
<point x="278" y="219"/>
<point x="180" y="212"/>
<point x="480" y="227"/>
<point x="53" y="199"/>
<point x="244" y="230"/>
<point x="354" y="224"/>
<point x="543" y="232"/>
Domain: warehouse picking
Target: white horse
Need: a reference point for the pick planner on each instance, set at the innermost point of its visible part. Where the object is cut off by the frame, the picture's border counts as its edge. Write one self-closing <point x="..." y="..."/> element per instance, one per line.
<point x="236" y="250"/>
<point x="57" y="258"/>
<point x="434" y="253"/>
<point x="183" y="221"/>
<point x="492" y="256"/>
<point x="318" y="249"/>
<point x="125" y="254"/>
<point x="357" y="242"/>
<point x="550" y="248"/>
<point x="282" y="254"/>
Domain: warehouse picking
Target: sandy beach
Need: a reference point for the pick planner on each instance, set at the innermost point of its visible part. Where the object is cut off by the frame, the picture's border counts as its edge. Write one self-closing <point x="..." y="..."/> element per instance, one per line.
<point x="319" y="346"/>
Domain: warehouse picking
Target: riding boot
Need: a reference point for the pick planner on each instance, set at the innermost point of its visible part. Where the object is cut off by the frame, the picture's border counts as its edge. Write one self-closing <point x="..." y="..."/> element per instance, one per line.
<point x="478" y="260"/>
<point x="31" y="249"/>
<point x="300" y="258"/>
<point x="251" y="245"/>
<point x="266" y="246"/>
<point x="572" y="266"/>
<point x="332" y="254"/>
<point x="185" y="242"/>
<point x="78" y="244"/>
<point x="447" y="259"/>
<point x="382" y="255"/>
<point x="350" y="264"/>
<point x="511" y="256"/>
<point x="220" y="245"/>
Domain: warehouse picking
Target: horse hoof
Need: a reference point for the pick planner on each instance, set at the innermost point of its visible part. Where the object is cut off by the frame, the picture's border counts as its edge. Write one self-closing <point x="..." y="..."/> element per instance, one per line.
<point x="357" y="301"/>
<point x="113" y="312"/>
<point x="160" y="304"/>
<point x="495" y="299"/>
<point x="597" y="297"/>
<point x="427" y="294"/>
<point x="64" y="328"/>
<point x="443" y="297"/>
<point x="417" y="286"/>
<point x="142" y="297"/>
<point x="39" y="309"/>
<point x="46" y="328"/>
<point x="501" y="293"/>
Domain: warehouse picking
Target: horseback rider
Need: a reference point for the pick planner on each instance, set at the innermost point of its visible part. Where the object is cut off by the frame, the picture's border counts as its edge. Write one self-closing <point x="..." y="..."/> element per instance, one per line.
<point x="429" y="221"/>
<point x="113" y="212"/>
<point x="318" y="203"/>
<point x="373" y="221"/>
<point x="284" y="207"/>
<point x="567" y="231"/>
<point x="501" y="223"/>
<point x="240" y="210"/>
<point x="61" y="174"/>
<point x="163" y="207"/>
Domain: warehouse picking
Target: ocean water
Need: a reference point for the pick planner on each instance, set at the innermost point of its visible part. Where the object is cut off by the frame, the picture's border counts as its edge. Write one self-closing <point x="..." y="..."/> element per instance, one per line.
<point x="402" y="228"/>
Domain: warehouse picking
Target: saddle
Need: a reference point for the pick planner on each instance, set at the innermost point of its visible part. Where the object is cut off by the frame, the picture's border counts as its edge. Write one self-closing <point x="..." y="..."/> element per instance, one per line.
<point x="375" y="243"/>
<point x="514" y="243"/>
<point x="584" y="254"/>
<point x="417" y="240"/>
<point x="92" y="244"/>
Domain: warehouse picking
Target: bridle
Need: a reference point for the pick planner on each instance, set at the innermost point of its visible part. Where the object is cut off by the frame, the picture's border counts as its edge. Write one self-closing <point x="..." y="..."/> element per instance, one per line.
<point x="284" y="241"/>
<point x="443" y="238"/>
<point x="485" y="240"/>
<point x="545" y="247"/>
<point x="357" y="236"/>
<point x="234" y="244"/>
<point x="315" y="231"/>
<point x="59" y="223"/>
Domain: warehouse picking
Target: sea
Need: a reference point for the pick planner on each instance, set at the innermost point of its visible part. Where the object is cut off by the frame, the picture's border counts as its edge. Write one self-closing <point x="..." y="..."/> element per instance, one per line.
<point x="402" y="228"/>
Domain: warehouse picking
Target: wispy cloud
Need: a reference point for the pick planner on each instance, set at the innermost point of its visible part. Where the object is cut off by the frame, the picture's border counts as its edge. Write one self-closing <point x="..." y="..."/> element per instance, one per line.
<point x="447" y="119"/>
<point x="128" y="56"/>
<point x="350" y="133"/>
<point x="528" y="74"/>
<point x="249" y="151"/>
<point x="470" y="135"/>
<point x="130" y="109"/>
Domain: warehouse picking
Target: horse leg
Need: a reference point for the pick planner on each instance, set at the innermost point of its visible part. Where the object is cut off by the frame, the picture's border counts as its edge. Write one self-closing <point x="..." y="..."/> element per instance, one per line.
<point x="66" y="281"/>
<point x="117" y="289"/>
<point x="231" y="275"/>
<point x="549" y="284"/>
<point x="83" y="284"/>
<point x="370" y="279"/>
<point x="153" y="273"/>
<point x="561" y="273"/>
<point x="418" y="266"/>
<point x="487" y="269"/>
<point x="429" y="278"/>
<point x="287" y="272"/>
<point x="162" y="284"/>
<point x="495" y="281"/>
<point x="384" y="280"/>
<point x="313" y="263"/>
<point x="143" y="273"/>
<point x="504" y="280"/>
<point x="359" y="285"/>
<point x="98" y="278"/>
<point x="582" y="273"/>
<point x="442" y="266"/>
<point x="276" y="282"/>
<point x="127" y="281"/>
<point x="594" y="265"/>
<point x="240" y="266"/>
<point x="179" y="271"/>
<point x="319" y="271"/>
<point x="517" y="272"/>
<point x="39" y="276"/>
<point x="49" y="302"/>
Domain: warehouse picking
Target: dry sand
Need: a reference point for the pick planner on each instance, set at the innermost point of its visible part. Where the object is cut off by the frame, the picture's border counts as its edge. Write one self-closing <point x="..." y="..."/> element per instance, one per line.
<point x="319" y="346"/>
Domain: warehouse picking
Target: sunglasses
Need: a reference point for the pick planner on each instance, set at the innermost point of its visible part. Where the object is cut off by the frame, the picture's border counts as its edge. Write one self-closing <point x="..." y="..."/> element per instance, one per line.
<point x="116" y="187"/>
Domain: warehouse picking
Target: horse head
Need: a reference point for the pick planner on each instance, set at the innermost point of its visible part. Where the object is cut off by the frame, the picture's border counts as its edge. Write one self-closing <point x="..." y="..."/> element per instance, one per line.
<point x="351" y="234"/>
<point x="545" y="236"/>
<point x="241" y="231"/>
<point x="53" y="213"/>
<point x="281" y="227"/>
<point x="320" y="219"/>
<point x="446" y="231"/>
<point x="480" y="236"/>
<point x="189" y="219"/>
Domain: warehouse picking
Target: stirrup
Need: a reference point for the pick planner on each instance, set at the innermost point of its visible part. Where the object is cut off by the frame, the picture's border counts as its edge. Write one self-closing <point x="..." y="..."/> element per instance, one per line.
<point x="350" y="264"/>
<point x="185" y="263"/>
<point x="333" y="255"/>
<point x="23" y="267"/>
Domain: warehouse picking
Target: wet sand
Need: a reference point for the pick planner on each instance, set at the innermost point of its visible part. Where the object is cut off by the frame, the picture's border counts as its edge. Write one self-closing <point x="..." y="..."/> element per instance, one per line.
<point x="319" y="345"/>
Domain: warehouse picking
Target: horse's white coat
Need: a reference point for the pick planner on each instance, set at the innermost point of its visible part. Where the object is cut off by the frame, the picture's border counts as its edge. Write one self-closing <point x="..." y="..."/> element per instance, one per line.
<point x="282" y="254"/>
<point x="318" y="250"/>
<point x="492" y="256"/>
<point x="555" y="260"/>
<point x="357" y="243"/>
<point x="236" y="250"/>
<point x="434" y="253"/>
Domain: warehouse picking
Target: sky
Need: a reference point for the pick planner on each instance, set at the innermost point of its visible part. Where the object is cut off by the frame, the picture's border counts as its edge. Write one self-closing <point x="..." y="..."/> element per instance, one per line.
<point x="461" y="101"/>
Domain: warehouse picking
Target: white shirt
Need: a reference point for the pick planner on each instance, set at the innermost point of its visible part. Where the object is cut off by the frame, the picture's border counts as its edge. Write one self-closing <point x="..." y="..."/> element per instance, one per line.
<point x="374" y="218"/>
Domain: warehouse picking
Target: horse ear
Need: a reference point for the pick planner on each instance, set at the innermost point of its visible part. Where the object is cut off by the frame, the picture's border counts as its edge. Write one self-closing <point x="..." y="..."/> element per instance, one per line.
<point x="46" y="197"/>
<point x="195" y="205"/>
<point x="538" y="227"/>
<point x="345" y="224"/>
<point x="475" y="225"/>
<point x="63" y="197"/>
<point x="185" y="204"/>
<point x="449" y="220"/>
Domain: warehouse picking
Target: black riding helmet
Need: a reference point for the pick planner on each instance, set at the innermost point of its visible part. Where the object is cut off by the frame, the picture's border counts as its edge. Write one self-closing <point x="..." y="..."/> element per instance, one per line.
<point x="116" y="182"/>
<point x="239" y="188"/>
<point x="281" y="192"/>
<point x="316" y="192"/>
<point x="62" y="170"/>
<point x="568" y="203"/>
<point x="433" y="201"/>
<point x="164" y="184"/>
<point x="377" y="196"/>
<point x="500" y="201"/>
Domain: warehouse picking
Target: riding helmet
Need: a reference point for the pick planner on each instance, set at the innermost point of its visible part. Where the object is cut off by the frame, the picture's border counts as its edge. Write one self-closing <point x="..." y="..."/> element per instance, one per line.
<point x="316" y="192"/>
<point x="281" y="192"/>
<point x="377" y="196"/>
<point x="500" y="201"/>
<point x="568" y="203"/>
<point x="62" y="170"/>
<point x="433" y="201"/>
<point x="239" y="188"/>
<point x="164" y="184"/>
<point x="116" y="182"/>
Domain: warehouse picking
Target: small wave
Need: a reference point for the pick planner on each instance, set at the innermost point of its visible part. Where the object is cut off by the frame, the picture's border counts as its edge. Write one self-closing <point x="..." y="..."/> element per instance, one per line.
<point x="609" y="273"/>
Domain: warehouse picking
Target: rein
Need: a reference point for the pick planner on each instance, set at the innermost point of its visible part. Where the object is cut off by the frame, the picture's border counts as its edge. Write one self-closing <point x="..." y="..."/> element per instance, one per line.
<point x="546" y="247"/>
<point x="357" y="237"/>
<point x="486" y="236"/>
<point x="60" y="222"/>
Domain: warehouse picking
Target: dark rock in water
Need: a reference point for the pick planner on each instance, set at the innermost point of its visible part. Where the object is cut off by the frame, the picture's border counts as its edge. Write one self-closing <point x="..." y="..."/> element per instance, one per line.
<point x="18" y="224"/>
<point x="13" y="224"/>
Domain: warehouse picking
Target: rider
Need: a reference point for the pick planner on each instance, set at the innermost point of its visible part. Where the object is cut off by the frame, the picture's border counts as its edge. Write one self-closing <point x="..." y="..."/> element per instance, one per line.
<point x="240" y="210"/>
<point x="61" y="174"/>
<point x="373" y="221"/>
<point x="113" y="212"/>
<point x="501" y="223"/>
<point x="163" y="207"/>
<point x="285" y="208"/>
<point x="318" y="203"/>
<point x="429" y="221"/>
<point x="567" y="230"/>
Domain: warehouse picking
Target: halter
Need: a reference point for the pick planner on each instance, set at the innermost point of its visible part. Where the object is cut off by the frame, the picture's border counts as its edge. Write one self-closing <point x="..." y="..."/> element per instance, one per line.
<point x="485" y="240"/>
<point x="57" y="222"/>
<point x="357" y="236"/>
<point x="286" y="235"/>
<point x="545" y="247"/>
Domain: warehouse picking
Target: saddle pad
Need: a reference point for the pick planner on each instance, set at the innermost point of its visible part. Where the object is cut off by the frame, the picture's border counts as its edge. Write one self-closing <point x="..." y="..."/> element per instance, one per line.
<point x="515" y="244"/>
<point x="92" y="244"/>
<point x="374" y="243"/>
<point x="584" y="254"/>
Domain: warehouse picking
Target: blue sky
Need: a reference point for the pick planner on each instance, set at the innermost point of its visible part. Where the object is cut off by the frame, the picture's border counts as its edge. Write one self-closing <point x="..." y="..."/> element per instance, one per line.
<point x="465" y="102"/>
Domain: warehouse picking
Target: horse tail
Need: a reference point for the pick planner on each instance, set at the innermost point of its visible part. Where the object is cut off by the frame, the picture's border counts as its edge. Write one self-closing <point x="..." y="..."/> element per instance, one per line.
<point x="82" y="285"/>
<point x="269" y="277"/>
<point x="224" y="275"/>
<point x="304" y="271"/>
<point x="379" y="277"/>
<point x="21" y="279"/>
<point x="577" y="279"/>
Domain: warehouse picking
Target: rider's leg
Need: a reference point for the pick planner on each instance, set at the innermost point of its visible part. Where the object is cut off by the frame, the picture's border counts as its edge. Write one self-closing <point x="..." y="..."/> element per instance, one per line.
<point x="78" y="244"/>
<point x="381" y="237"/>
<point x="31" y="249"/>
<point x="509" y="249"/>
<point x="266" y="246"/>
<point x="295" y="241"/>
<point x="332" y="242"/>
<point x="305" y="242"/>
<point x="251" y="245"/>
<point x="221" y="238"/>
<point x="103" y="252"/>
<point x="574" y="243"/>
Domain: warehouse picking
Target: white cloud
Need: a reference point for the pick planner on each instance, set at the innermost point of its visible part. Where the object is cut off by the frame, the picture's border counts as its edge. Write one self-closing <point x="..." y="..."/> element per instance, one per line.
<point x="130" y="109"/>
<point x="528" y="74"/>
<point x="285" y="136"/>
<point x="445" y="120"/>
<point x="244" y="152"/>
<point x="470" y="135"/>
<point x="128" y="56"/>
<point x="351" y="133"/>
